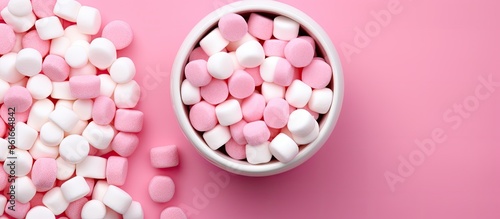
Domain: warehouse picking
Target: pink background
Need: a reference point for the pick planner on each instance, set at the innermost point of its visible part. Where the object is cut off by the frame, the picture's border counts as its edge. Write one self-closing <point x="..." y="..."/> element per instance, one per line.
<point x="399" y="85"/>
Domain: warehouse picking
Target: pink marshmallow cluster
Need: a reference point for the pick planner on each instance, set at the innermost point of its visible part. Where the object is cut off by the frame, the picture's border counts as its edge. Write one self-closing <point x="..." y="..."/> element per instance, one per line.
<point x="69" y="101"/>
<point x="257" y="87"/>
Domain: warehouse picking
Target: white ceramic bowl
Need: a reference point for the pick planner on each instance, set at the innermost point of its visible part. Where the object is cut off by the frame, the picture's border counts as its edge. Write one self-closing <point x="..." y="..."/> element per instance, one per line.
<point x="327" y="122"/>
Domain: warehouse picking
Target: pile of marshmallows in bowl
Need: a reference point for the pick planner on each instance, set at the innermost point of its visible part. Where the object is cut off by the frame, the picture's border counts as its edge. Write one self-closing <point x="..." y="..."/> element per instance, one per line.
<point x="255" y="86"/>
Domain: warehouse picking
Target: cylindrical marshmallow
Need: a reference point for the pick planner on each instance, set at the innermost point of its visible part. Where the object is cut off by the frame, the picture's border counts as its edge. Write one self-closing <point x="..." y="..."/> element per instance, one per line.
<point x="29" y="62"/>
<point x="49" y="28"/>
<point x="220" y="65"/>
<point x="298" y="94"/>
<point x="190" y="94"/>
<point x="51" y="134"/>
<point x="301" y="122"/>
<point x="55" y="201"/>
<point x="122" y="70"/>
<point x="75" y="188"/>
<point x="250" y="54"/>
<point x="24" y="189"/>
<point x="88" y="20"/>
<point x="99" y="136"/>
<point x="283" y="148"/>
<point x="257" y="154"/>
<point x="127" y="95"/>
<point x="92" y="167"/>
<point x="213" y="42"/>
<point x="102" y="53"/>
<point x="93" y="209"/>
<point x="228" y="112"/>
<point x="217" y="137"/>
<point x="74" y="149"/>
<point x="65" y="118"/>
<point x="321" y="100"/>
<point x="285" y="28"/>
<point x="39" y="86"/>
<point x="117" y="199"/>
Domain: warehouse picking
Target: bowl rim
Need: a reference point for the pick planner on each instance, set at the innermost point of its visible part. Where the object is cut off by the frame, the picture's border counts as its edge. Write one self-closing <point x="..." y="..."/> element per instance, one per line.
<point x="327" y="123"/>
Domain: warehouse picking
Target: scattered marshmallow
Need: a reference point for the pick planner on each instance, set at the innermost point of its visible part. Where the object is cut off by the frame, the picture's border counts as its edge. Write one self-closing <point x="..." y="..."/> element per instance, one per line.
<point x="161" y="189"/>
<point x="117" y="199"/>
<point x="164" y="156"/>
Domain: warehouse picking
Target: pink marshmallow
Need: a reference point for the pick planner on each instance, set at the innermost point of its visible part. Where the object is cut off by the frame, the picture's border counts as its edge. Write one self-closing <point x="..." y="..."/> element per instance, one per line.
<point x="284" y="73"/>
<point x="3" y="4"/>
<point x="91" y="183"/>
<point x="276" y="113"/>
<point x="164" y="156"/>
<point x="161" y="189"/>
<point x="20" y="210"/>
<point x="85" y="86"/>
<point x="196" y="73"/>
<point x="3" y="129"/>
<point x="275" y="47"/>
<point x="55" y="68"/>
<point x="241" y="84"/>
<point x="103" y="110"/>
<point x="116" y="170"/>
<point x="255" y="73"/>
<point x="74" y="209"/>
<point x="256" y="132"/>
<point x="252" y="107"/>
<point x="197" y="54"/>
<point x="237" y="132"/>
<point x="4" y="177"/>
<point x="260" y="27"/>
<point x="32" y="40"/>
<point x="172" y="213"/>
<point x="43" y="8"/>
<point x="202" y="116"/>
<point x="124" y="144"/>
<point x="318" y="74"/>
<point x="127" y="120"/>
<point x="299" y="52"/>
<point x="20" y="117"/>
<point x="18" y="97"/>
<point x="310" y="40"/>
<point x="44" y="173"/>
<point x="119" y="33"/>
<point x="235" y="150"/>
<point x="233" y="27"/>
<point x="7" y="38"/>
<point x="215" y="92"/>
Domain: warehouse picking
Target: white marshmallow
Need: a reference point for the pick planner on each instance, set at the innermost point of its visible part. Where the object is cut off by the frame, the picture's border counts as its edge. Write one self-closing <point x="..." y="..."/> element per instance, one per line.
<point x="107" y="85"/>
<point x="55" y="201"/>
<point x="3" y="203"/>
<point x="76" y="56"/>
<point x="298" y="94"/>
<point x="19" y="8"/>
<point x="257" y="154"/>
<point x="92" y="167"/>
<point x="83" y="108"/>
<point x="127" y="95"/>
<point x="102" y="53"/>
<point x="122" y="70"/>
<point x="74" y="34"/>
<point x="213" y="42"/>
<point x="134" y="211"/>
<point x="75" y="188"/>
<point x="117" y="199"/>
<point x="100" y="189"/>
<point x="229" y="112"/>
<point x="93" y="209"/>
<point x="29" y="62"/>
<point x="4" y="149"/>
<point x="217" y="137"/>
<point x="40" y="150"/>
<point x="283" y="148"/>
<point x="39" y="113"/>
<point x="4" y="87"/>
<point x="301" y="140"/>
<point x="49" y="28"/>
<point x="99" y="136"/>
<point x="25" y="189"/>
<point x="268" y="68"/>
<point x="285" y="28"/>
<point x="39" y="86"/>
<point x="250" y="54"/>
<point x="65" y="118"/>
<point x="67" y="9"/>
<point x="79" y="128"/>
<point x="272" y="90"/>
<point x="232" y="46"/>
<point x="64" y="169"/>
<point x="88" y="69"/>
<point x="51" y="134"/>
<point x="65" y="103"/>
<point x="190" y="94"/>
<point x="58" y="46"/>
<point x="236" y="64"/>
<point x="321" y="100"/>
<point x="18" y="24"/>
<point x="8" y="71"/>
<point x="301" y="122"/>
<point x="74" y="149"/>
<point x="40" y="212"/>
<point x="220" y="65"/>
<point x="25" y="136"/>
<point x="61" y="91"/>
<point x="88" y="20"/>
<point x="23" y="162"/>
